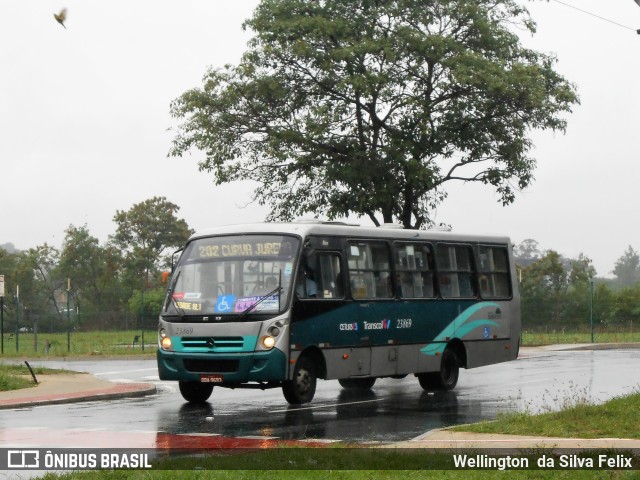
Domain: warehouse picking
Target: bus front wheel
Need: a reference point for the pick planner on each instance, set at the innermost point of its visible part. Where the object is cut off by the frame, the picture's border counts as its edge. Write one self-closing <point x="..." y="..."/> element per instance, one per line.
<point x="195" y="392"/>
<point x="445" y="379"/>
<point x="303" y="386"/>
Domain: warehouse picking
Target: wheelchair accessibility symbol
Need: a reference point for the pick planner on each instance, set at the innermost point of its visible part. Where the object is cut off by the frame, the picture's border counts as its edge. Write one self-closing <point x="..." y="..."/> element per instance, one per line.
<point x="224" y="304"/>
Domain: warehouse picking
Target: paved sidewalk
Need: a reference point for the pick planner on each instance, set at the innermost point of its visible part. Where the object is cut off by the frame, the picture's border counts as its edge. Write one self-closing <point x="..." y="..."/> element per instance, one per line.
<point x="70" y="388"/>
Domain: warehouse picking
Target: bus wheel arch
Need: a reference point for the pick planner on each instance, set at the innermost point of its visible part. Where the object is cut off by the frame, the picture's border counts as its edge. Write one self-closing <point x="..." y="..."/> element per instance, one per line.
<point x="459" y="349"/>
<point x="308" y="368"/>
<point x="446" y="378"/>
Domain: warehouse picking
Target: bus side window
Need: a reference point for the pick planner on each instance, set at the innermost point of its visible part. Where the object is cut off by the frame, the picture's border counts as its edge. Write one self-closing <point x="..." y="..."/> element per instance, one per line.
<point x="494" y="272"/>
<point x="456" y="271"/>
<point x="369" y="270"/>
<point x="331" y="284"/>
<point x="414" y="270"/>
<point x="323" y="280"/>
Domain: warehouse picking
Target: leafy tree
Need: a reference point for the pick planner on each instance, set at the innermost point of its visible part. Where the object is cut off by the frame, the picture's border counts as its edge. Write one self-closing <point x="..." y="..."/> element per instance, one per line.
<point x="576" y="301"/>
<point x="526" y="252"/>
<point x="95" y="271"/>
<point x="627" y="305"/>
<point x="544" y="284"/>
<point x="7" y="268"/>
<point x="371" y="106"/>
<point x="581" y="271"/>
<point x="604" y="302"/>
<point x="152" y="299"/>
<point x="146" y="230"/>
<point x="40" y="285"/>
<point x="627" y="268"/>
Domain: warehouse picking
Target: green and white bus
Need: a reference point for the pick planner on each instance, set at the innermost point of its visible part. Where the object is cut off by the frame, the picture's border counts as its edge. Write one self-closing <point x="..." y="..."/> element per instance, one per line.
<point x="285" y="304"/>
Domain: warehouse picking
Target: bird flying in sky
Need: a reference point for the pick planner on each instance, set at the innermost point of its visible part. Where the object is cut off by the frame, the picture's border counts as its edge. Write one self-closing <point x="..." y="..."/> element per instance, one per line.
<point x="62" y="16"/>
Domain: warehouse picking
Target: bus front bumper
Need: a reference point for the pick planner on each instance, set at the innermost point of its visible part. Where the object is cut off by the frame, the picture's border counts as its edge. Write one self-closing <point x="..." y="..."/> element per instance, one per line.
<point x="233" y="368"/>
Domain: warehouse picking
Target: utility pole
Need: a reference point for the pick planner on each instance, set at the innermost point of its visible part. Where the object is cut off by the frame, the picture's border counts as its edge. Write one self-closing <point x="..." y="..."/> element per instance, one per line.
<point x="2" y="314"/>
<point x="17" y="317"/>
<point x="591" y="306"/>
<point x="68" y="315"/>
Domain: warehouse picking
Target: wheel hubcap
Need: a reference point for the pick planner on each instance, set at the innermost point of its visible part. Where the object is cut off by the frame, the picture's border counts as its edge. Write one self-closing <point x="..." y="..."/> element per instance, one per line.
<point x="303" y="381"/>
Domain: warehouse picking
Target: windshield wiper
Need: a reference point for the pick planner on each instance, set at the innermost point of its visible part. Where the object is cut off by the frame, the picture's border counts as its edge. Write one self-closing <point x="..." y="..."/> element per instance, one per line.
<point x="173" y="300"/>
<point x="244" y="313"/>
<point x="277" y="290"/>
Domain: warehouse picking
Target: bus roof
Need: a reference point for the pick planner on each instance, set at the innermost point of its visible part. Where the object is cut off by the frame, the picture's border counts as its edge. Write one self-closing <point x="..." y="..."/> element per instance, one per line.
<point x="305" y="228"/>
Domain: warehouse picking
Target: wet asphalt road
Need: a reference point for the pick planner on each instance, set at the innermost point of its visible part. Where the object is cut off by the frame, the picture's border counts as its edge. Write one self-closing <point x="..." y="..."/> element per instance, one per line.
<point x="393" y="410"/>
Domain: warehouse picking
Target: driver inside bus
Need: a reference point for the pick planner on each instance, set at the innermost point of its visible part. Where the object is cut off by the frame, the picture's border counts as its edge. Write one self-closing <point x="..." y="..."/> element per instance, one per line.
<point x="306" y="286"/>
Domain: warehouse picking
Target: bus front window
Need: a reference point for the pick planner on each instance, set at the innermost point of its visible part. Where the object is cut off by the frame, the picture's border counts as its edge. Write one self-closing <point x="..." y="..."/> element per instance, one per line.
<point x="231" y="275"/>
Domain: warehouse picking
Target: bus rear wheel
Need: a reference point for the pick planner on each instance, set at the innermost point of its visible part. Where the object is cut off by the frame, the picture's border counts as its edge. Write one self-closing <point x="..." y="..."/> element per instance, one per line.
<point x="303" y="386"/>
<point x="357" y="383"/>
<point x="445" y="379"/>
<point x="195" y="392"/>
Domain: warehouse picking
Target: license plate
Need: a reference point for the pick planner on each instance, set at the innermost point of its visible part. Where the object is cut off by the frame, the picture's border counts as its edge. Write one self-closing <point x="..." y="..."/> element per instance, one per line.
<point x="211" y="378"/>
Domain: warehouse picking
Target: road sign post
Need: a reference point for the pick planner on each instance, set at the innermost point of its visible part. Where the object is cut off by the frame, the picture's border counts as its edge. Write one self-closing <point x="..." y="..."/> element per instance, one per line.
<point x="68" y="315"/>
<point x="2" y="314"/>
<point x="17" y="318"/>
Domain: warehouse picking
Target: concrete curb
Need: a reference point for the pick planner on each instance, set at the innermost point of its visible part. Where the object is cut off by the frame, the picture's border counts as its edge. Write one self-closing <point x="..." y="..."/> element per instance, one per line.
<point x="447" y="440"/>
<point x="55" y="389"/>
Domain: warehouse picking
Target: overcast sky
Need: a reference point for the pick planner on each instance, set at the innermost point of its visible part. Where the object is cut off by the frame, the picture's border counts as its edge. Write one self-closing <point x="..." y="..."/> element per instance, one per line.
<point x="84" y="124"/>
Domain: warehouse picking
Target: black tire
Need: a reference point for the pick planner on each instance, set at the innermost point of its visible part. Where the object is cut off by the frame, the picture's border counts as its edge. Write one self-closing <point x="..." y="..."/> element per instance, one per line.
<point x="357" y="383"/>
<point x="445" y="379"/>
<point x="195" y="392"/>
<point x="303" y="386"/>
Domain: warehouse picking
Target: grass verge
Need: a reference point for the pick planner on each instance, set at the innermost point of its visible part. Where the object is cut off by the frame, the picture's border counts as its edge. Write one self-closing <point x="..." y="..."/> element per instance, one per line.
<point x="570" y="337"/>
<point x="199" y="470"/>
<point x="94" y="344"/>
<point x="17" y="376"/>
<point x="617" y="418"/>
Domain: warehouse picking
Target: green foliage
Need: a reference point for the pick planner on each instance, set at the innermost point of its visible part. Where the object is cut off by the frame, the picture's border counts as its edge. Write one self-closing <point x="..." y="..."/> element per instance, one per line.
<point x="556" y="293"/>
<point x="146" y="230"/>
<point x="152" y="300"/>
<point x="351" y="106"/>
<point x="95" y="270"/>
<point x="92" y="343"/>
<point x="9" y="380"/>
<point x="602" y="334"/>
<point x="544" y="279"/>
<point x="627" y="268"/>
<point x="102" y="278"/>
<point x="617" y="418"/>
<point x="14" y="377"/>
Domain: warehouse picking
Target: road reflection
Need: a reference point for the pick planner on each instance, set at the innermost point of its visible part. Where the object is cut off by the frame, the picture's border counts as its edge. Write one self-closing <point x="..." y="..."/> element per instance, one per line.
<point x="356" y="416"/>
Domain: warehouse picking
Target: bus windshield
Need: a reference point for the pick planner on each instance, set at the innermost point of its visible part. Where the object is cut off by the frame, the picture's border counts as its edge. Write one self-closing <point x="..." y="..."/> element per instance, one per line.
<point x="233" y="275"/>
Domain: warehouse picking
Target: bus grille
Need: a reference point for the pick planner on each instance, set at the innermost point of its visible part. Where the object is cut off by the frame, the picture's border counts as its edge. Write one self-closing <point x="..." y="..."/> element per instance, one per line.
<point x="210" y="366"/>
<point x="213" y="343"/>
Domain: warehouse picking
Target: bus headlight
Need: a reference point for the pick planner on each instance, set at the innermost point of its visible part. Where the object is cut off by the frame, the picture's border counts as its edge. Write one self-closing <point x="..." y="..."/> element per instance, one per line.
<point x="268" y="342"/>
<point x="165" y="341"/>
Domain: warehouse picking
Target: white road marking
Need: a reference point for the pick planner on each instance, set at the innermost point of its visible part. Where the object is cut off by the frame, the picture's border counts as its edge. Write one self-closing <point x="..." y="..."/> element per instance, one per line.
<point x="318" y="407"/>
<point x="126" y="371"/>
